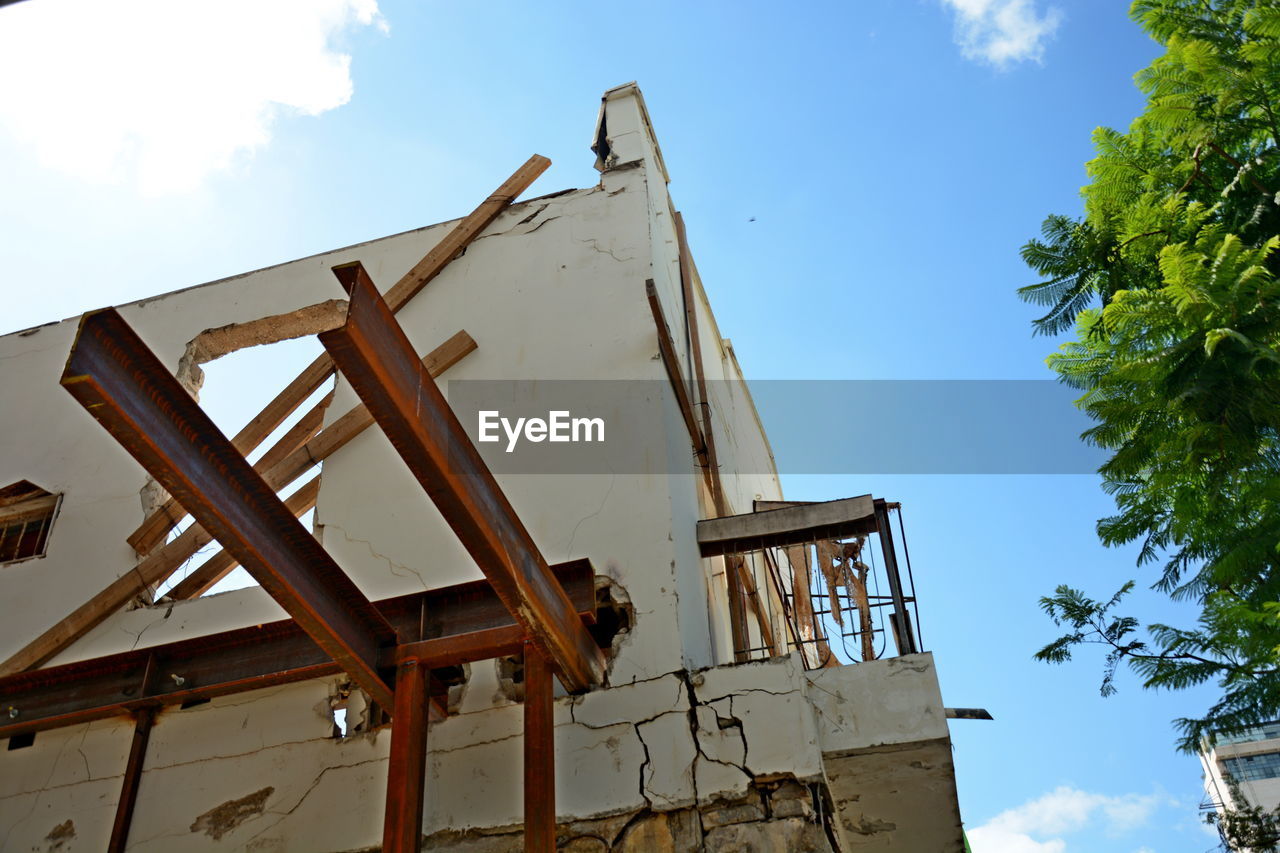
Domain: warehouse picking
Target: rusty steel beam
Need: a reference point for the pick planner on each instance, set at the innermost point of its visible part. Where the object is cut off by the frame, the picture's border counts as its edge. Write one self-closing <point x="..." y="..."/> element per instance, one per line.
<point x="125" y="387"/>
<point x="132" y="778"/>
<point x="407" y="764"/>
<point x="457" y="624"/>
<point x="374" y="354"/>
<point x="539" y="754"/>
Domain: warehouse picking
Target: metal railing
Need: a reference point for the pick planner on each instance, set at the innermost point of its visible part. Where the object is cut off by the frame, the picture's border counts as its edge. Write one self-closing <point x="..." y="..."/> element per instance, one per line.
<point x="839" y="601"/>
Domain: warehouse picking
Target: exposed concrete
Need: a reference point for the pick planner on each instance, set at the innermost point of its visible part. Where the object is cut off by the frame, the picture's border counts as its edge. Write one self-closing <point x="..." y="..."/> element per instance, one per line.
<point x="899" y="797"/>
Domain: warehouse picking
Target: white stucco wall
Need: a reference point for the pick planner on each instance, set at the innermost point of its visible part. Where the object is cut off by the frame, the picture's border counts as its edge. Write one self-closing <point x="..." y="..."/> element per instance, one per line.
<point x="554" y="289"/>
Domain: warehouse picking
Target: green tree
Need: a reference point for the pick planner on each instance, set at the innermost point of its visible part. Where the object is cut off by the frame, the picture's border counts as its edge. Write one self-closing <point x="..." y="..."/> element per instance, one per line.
<point x="1171" y="285"/>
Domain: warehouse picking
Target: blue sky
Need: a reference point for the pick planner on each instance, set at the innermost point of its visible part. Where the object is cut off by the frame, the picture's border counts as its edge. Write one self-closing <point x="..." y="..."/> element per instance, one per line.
<point x="856" y="177"/>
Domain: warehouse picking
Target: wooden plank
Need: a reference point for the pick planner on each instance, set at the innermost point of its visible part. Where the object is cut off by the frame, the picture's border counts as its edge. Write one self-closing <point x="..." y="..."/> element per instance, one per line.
<point x="160" y="564"/>
<point x="222" y="563"/>
<point x="378" y="360"/>
<point x="672" y="363"/>
<point x="539" y="753"/>
<point x="299" y="434"/>
<point x="790" y="526"/>
<point x="153" y="570"/>
<point x="412" y="282"/>
<point x="739" y="581"/>
<point x="144" y="719"/>
<point x="155" y="527"/>
<point x="407" y="763"/>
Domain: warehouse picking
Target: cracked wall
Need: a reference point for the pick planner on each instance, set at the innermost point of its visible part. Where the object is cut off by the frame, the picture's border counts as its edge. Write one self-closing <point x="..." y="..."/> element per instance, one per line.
<point x="676" y="753"/>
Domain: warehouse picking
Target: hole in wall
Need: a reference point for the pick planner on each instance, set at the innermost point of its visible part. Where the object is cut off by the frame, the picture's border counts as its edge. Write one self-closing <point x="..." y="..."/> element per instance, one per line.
<point x="235" y="388"/>
<point x="22" y="741"/>
<point x="339" y="722"/>
<point x="511" y="677"/>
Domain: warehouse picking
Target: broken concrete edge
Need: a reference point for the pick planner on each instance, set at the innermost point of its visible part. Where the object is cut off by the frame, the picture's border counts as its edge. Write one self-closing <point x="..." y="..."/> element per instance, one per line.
<point x="213" y="344"/>
<point x="784" y="813"/>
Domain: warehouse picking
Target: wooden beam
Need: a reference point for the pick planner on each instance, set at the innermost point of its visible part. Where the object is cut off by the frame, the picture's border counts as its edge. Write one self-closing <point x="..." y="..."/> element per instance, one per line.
<point x="672" y="363"/>
<point x="160" y="564"/>
<point x="127" y="389"/>
<point x="539" y="753"/>
<point x="154" y="569"/>
<point x="793" y="525"/>
<point x="155" y="527"/>
<point x="377" y="359"/>
<point x="459" y="624"/>
<point x="412" y="282"/>
<point x="222" y="563"/>
<point x="144" y="718"/>
<point x="407" y="763"/>
<point x="741" y="586"/>
<point x="297" y="435"/>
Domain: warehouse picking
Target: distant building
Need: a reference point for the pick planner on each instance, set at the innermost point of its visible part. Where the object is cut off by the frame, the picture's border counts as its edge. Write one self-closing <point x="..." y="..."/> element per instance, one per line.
<point x="762" y="688"/>
<point x="1243" y="769"/>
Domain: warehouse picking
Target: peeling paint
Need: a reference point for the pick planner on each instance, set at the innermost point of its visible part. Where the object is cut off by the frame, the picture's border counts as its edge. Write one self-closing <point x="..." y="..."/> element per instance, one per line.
<point x="220" y="820"/>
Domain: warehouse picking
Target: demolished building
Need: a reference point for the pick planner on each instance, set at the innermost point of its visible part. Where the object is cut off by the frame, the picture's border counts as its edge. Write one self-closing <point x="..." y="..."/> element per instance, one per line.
<point x="732" y="671"/>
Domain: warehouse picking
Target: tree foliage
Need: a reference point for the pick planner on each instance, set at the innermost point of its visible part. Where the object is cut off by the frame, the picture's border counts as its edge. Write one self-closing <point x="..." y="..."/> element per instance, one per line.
<point x="1247" y="827"/>
<point x="1171" y="285"/>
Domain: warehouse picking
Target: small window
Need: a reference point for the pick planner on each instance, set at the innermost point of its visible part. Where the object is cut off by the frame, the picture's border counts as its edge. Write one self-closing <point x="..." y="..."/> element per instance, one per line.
<point x="26" y="515"/>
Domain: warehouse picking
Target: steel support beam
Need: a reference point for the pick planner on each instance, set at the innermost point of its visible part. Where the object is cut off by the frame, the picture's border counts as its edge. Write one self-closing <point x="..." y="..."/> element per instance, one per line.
<point x="407" y="764"/>
<point x="539" y="754"/>
<point x="132" y="777"/>
<point x="374" y="354"/>
<point x="458" y="624"/>
<point x="128" y="390"/>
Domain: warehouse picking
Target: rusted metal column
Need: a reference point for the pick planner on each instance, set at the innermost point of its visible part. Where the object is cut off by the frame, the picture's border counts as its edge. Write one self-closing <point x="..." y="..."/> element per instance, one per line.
<point x="406" y="768"/>
<point x="132" y="777"/>
<point x="539" y="754"/>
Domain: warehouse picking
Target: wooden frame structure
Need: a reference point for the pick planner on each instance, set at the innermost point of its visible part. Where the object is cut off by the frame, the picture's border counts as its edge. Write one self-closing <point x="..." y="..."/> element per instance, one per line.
<point x="398" y="651"/>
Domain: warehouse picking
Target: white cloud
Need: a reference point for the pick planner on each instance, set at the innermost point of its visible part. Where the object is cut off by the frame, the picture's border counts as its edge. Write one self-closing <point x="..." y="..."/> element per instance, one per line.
<point x="1003" y="31"/>
<point x="1033" y="827"/>
<point x="164" y="92"/>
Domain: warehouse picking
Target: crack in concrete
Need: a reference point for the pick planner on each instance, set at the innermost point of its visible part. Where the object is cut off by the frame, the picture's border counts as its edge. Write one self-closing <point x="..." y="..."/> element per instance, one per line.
<point x="35" y="801"/>
<point x="391" y="564"/>
<point x="568" y="551"/>
<point x="648" y="759"/>
<point x="595" y="244"/>
<point x="314" y="784"/>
